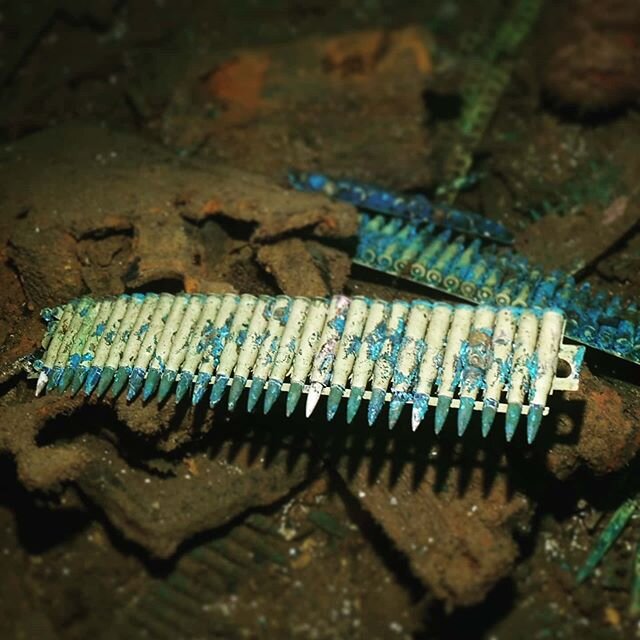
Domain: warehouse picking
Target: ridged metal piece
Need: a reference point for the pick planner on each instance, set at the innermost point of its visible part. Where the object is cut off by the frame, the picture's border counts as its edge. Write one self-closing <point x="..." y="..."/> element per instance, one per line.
<point x="487" y="274"/>
<point x="420" y="353"/>
<point x="416" y="208"/>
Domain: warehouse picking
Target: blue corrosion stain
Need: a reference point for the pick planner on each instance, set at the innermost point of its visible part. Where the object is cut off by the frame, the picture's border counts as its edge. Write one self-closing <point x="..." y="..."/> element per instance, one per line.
<point x="533" y="368"/>
<point x="109" y="337"/>
<point x="74" y="360"/>
<point x="139" y="297"/>
<point x="87" y="357"/>
<point x="241" y="337"/>
<point x="352" y="346"/>
<point x="414" y="207"/>
<point x="337" y="323"/>
<point x="142" y="330"/>
<point x="159" y="362"/>
<point x="100" y="329"/>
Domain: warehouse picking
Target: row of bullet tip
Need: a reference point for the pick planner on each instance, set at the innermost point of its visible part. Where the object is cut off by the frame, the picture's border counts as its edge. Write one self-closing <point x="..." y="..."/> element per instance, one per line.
<point x="342" y="346"/>
<point x="480" y="273"/>
<point x="415" y="207"/>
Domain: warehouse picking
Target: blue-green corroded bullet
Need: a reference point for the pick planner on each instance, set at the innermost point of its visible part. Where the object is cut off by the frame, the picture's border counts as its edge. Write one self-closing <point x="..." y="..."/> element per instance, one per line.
<point x="150" y="384"/>
<point x="293" y="396"/>
<point x="201" y="385"/>
<point x="514" y="409"/>
<point x="120" y="380"/>
<point x="333" y="401"/>
<point x="442" y="411"/>
<point x="489" y="411"/>
<point x="237" y="386"/>
<point x="135" y="383"/>
<point x="166" y="384"/>
<point x="184" y="385"/>
<point x="398" y="400"/>
<point x="608" y="536"/>
<point x="218" y="389"/>
<point x="464" y="414"/>
<point x="376" y="402"/>
<point x="78" y="379"/>
<point x="255" y="391"/>
<point x="105" y="380"/>
<point x="353" y="403"/>
<point x="271" y="394"/>
<point x="91" y="382"/>
<point x="534" y="418"/>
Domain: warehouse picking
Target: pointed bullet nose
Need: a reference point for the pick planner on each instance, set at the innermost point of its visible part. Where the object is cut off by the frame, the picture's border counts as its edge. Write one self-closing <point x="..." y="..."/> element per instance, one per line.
<point x="488" y="417"/>
<point x="315" y="391"/>
<point x="237" y="387"/>
<point x="333" y="401"/>
<point x="353" y="403"/>
<point x="513" y="417"/>
<point x="376" y="402"/>
<point x="183" y="385"/>
<point x="442" y="411"/>
<point x="464" y="414"/>
<point x="255" y="391"/>
<point x="271" y="395"/>
<point x="295" y="391"/>
<point x="419" y="409"/>
<point x="218" y="389"/>
<point x="395" y="409"/>
<point x="533" y="421"/>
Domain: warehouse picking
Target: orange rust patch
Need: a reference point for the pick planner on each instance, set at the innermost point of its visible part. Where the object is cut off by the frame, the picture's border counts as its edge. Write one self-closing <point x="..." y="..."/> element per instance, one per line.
<point x="211" y="207"/>
<point x="238" y="83"/>
<point x="369" y="51"/>
<point x="192" y="466"/>
<point x="355" y="53"/>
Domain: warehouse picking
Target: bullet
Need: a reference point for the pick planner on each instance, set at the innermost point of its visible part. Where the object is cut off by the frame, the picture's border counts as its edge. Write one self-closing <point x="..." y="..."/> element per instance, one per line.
<point x="431" y="360"/>
<point x="409" y="356"/>
<point x="151" y="334"/>
<point x="375" y="330"/>
<point x="461" y="265"/>
<point x="524" y="345"/>
<point x="436" y="273"/>
<point x="347" y="352"/>
<point x="386" y="360"/>
<point x="609" y="535"/>
<point x="158" y="362"/>
<point x="89" y="348"/>
<point x="278" y="319"/>
<point x="213" y="345"/>
<point x="546" y="359"/>
<point x="499" y="370"/>
<point x="106" y="341"/>
<point x="234" y="341"/>
<point x="54" y="345"/>
<point x="77" y="347"/>
<point x="476" y="361"/>
<point x="413" y="250"/>
<point x="198" y="341"/>
<point x="250" y="348"/>
<point x="288" y="347"/>
<point x="451" y="364"/>
<point x="122" y="337"/>
<point x="320" y="373"/>
<point x="303" y="358"/>
<point x="180" y="344"/>
<point x="430" y="253"/>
